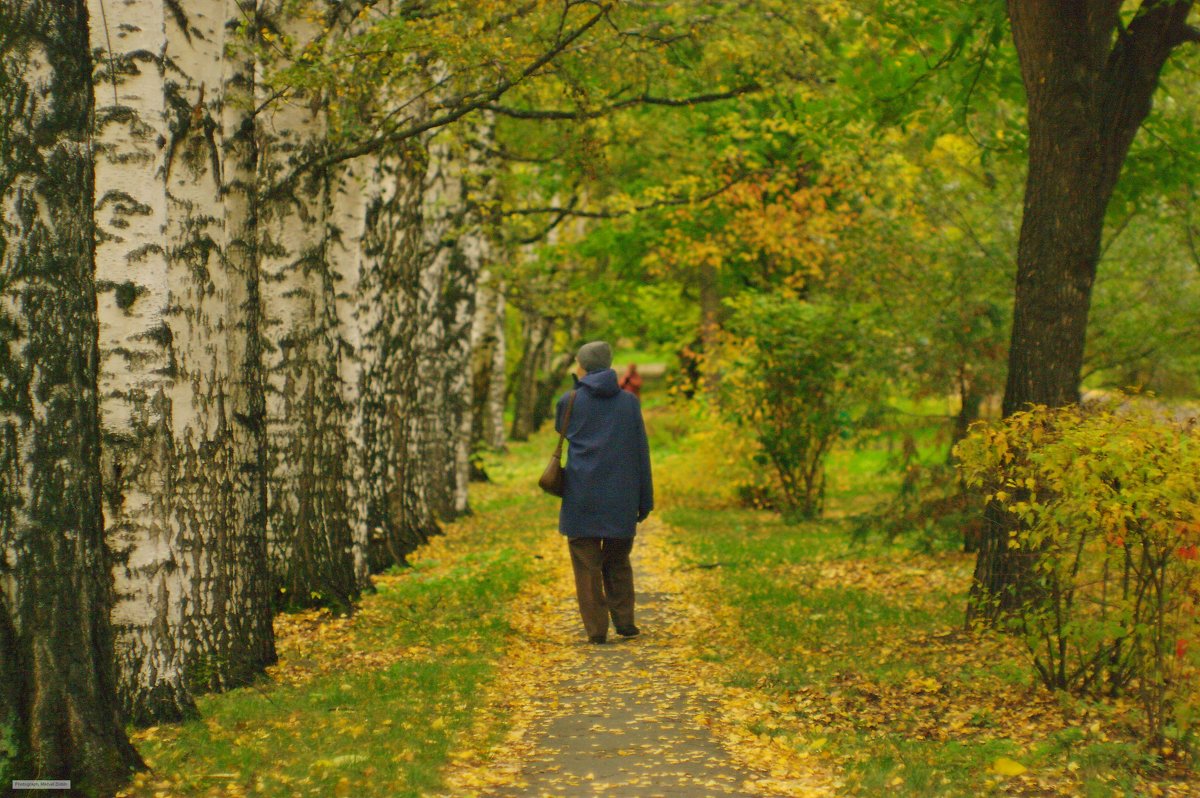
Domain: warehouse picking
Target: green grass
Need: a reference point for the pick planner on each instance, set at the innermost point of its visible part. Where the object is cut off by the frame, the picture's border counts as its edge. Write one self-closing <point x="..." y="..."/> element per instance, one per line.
<point x="385" y="727"/>
<point x="768" y="566"/>
<point x="879" y="627"/>
<point x="867" y="634"/>
<point x="392" y="726"/>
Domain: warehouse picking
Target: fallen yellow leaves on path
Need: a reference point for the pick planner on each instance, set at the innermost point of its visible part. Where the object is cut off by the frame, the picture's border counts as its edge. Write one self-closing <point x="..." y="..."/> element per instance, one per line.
<point x="790" y="766"/>
<point x="635" y="717"/>
<point x="540" y="656"/>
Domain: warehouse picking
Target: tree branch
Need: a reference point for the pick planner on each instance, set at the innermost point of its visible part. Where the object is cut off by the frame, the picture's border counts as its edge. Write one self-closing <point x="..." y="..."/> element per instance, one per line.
<point x="643" y="99"/>
<point x="459" y="107"/>
<point x="1188" y="34"/>
<point x="571" y="210"/>
<point x="1131" y="76"/>
<point x="563" y="212"/>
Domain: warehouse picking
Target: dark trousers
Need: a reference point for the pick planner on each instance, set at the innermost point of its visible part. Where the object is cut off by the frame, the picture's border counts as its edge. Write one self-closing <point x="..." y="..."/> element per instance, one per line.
<point x="603" y="582"/>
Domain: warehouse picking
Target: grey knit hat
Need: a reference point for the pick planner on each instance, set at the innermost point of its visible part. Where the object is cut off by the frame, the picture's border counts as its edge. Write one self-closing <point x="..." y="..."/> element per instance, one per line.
<point x="595" y="356"/>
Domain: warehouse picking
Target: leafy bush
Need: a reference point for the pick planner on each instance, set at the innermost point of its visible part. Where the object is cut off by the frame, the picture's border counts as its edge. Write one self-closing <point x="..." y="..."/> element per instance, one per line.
<point x="712" y="447"/>
<point x="1107" y="501"/>
<point x="797" y="374"/>
<point x="930" y="509"/>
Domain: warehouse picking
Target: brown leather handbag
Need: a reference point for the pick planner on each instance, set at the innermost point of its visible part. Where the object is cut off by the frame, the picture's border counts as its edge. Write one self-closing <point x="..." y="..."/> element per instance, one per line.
<point x="552" y="477"/>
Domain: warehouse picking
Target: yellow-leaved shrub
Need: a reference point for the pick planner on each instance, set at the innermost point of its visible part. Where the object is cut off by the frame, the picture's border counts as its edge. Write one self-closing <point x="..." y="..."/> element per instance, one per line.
<point x="1105" y="500"/>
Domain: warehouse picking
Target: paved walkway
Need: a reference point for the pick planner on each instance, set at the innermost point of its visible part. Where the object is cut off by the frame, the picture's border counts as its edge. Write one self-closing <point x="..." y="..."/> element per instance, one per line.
<point x="637" y="718"/>
<point x="622" y="726"/>
<point x="621" y="719"/>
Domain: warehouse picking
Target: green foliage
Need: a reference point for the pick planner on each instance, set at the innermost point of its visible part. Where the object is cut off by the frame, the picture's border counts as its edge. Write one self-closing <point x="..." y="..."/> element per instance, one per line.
<point x="941" y="64"/>
<point x="934" y="246"/>
<point x="657" y="315"/>
<point x="862" y="646"/>
<point x="8" y="751"/>
<point x="1142" y="329"/>
<point x="928" y="509"/>
<point x="798" y="374"/>
<point x="1107" y="501"/>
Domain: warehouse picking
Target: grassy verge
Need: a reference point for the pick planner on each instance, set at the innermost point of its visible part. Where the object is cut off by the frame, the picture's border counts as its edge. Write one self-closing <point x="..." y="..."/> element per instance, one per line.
<point x="375" y="704"/>
<point x="857" y="650"/>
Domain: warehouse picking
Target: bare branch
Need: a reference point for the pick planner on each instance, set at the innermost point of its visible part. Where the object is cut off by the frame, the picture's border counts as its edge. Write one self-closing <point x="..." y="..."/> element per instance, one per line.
<point x="571" y="210"/>
<point x="643" y="99"/>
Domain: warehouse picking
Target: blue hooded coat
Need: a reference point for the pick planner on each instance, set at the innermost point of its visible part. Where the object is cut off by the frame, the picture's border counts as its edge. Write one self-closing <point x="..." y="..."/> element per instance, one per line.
<point x="607" y="485"/>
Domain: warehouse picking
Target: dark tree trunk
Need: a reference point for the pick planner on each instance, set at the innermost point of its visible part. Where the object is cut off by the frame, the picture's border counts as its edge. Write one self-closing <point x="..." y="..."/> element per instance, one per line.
<point x="548" y="388"/>
<point x="542" y="368"/>
<point x="710" y="326"/>
<point x="555" y="368"/>
<point x="537" y="334"/>
<point x="967" y="415"/>
<point x="58" y="711"/>
<point x="1089" y="84"/>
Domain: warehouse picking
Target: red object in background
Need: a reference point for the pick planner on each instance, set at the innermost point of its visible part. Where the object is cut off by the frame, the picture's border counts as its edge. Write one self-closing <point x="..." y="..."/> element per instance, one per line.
<point x="632" y="381"/>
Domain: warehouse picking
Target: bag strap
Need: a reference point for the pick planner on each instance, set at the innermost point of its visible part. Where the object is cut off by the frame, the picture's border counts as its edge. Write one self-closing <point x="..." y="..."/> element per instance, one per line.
<point x="566" y="420"/>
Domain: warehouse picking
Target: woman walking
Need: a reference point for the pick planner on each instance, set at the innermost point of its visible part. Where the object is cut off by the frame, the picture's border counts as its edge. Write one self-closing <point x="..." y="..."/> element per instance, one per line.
<point x="632" y="381"/>
<point x="607" y="490"/>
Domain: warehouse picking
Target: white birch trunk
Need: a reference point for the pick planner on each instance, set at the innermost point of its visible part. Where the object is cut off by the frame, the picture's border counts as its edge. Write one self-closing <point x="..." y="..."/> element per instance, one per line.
<point x="474" y="250"/>
<point x="309" y="531"/>
<point x="498" y="385"/>
<point x="246" y="630"/>
<point x="399" y="515"/>
<point x="433" y="422"/>
<point x="461" y="298"/>
<point x="489" y="363"/>
<point x="399" y="242"/>
<point x="174" y="326"/>
<point x="58" y="714"/>
<point x="133" y="292"/>
<point x="358" y="302"/>
<point x="458" y="247"/>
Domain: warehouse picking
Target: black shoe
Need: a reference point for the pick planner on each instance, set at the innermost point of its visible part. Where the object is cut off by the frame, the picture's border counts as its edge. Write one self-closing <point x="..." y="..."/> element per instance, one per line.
<point x="628" y="631"/>
<point x="598" y="639"/>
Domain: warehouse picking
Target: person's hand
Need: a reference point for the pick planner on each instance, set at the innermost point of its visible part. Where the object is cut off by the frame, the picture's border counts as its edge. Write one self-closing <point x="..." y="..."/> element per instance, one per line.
<point x="643" y="516"/>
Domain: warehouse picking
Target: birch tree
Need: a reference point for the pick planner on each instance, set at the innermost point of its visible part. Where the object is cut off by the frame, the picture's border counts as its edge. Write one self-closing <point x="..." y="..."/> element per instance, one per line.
<point x="182" y="490"/>
<point x="356" y="302"/>
<point x="396" y="74"/>
<point x="458" y="247"/>
<point x="489" y="344"/>
<point x="418" y="487"/>
<point x="59" y="717"/>
<point x="309" y="528"/>
<point x="459" y="312"/>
